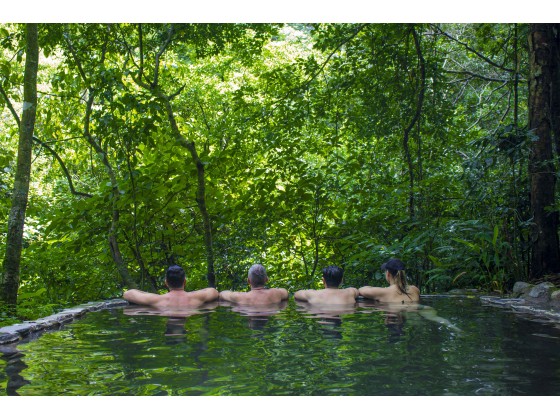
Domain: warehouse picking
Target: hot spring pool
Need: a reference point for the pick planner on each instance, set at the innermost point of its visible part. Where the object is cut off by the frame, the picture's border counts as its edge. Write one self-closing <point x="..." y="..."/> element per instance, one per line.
<point x="467" y="349"/>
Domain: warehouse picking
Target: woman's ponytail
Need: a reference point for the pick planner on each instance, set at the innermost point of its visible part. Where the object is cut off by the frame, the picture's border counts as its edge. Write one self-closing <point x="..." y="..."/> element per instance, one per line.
<point x="400" y="281"/>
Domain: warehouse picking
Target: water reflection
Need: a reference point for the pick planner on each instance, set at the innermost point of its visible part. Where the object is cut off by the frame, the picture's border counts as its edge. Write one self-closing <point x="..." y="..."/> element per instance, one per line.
<point x="170" y="312"/>
<point x="396" y="315"/>
<point x="257" y="316"/>
<point x="329" y="317"/>
<point x="14" y="366"/>
<point x="175" y="327"/>
<point x="370" y="349"/>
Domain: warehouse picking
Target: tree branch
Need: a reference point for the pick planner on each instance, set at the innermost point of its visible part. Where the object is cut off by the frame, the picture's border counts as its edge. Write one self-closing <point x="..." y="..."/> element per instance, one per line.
<point x="10" y="106"/>
<point x="141" y="45"/>
<point x="76" y="61"/>
<point x="162" y="49"/>
<point x="64" y="169"/>
<point x="486" y="59"/>
<point x="475" y="75"/>
<point x="343" y="42"/>
<point x="173" y="95"/>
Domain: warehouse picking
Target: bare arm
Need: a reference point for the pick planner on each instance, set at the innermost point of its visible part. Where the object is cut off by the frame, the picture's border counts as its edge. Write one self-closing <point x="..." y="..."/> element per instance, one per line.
<point x="370" y="292"/>
<point x="301" y="295"/>
<point x="228" y="295"/>
<point x="141" y="298"/>
<point x="207" y="295"/>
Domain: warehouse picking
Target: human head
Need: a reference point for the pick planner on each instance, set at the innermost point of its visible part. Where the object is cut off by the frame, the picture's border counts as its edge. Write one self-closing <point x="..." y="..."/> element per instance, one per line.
<point x="394" y="273"/>
<point x="257" y="275"/>
<point x="393" y="266"/>
<point x="175" y="277"/>
<point x="333" y="275"/>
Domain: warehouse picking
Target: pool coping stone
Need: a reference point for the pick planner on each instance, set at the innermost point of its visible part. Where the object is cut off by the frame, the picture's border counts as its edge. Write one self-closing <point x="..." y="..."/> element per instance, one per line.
<point x="14" y="333"/>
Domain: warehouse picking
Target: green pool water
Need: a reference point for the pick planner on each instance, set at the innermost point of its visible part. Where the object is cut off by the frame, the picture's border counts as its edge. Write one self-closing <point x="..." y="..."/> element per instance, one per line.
<point x="467" y="349"/>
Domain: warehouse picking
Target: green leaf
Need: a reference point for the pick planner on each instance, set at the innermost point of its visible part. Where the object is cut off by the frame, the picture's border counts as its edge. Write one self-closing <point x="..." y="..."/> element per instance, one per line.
<point x="5" y="68"/>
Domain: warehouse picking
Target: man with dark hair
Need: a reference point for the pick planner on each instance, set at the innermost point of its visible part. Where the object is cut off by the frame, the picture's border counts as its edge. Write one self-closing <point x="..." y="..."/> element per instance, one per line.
<point x="258" y="295"/>
<point x="331" y="294"/>
<point x="176" y="297"/>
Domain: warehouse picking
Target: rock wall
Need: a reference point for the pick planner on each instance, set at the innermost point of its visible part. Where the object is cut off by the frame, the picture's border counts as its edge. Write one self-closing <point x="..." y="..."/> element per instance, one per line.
<point x="542" y="300"/>
<point x="12" y="334"/>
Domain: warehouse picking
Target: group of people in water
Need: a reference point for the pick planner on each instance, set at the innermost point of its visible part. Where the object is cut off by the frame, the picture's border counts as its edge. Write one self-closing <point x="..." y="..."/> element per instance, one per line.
<point x="398" y="290"/>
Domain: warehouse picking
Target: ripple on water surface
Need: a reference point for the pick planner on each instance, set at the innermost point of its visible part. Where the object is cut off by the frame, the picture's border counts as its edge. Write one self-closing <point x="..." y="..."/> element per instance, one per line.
<point x="456" y="347"/>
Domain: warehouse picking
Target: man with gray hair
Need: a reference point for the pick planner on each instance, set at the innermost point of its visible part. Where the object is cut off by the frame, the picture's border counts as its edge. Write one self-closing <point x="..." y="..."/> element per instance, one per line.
<point x="259" y="295"/>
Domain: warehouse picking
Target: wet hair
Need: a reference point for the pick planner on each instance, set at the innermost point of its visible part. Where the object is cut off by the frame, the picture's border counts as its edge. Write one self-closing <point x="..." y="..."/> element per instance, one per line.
<point x="257" y="275"/>
<point x="333" y="275"/>
<point x="175" y="277"/>
<point x="396" y="268"/>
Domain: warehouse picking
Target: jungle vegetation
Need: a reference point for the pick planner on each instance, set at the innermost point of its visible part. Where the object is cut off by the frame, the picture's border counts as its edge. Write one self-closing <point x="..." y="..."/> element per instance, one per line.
<point x="130" y="147"/>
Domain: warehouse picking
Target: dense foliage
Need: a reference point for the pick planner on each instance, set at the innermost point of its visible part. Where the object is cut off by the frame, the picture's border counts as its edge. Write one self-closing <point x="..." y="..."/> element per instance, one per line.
<point x="216" y="146"/>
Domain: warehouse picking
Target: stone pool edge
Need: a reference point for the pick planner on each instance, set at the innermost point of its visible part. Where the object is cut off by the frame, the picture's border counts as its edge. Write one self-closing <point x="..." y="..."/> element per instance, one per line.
<point x="524" y="306"/>
<point x="15" y="333"/>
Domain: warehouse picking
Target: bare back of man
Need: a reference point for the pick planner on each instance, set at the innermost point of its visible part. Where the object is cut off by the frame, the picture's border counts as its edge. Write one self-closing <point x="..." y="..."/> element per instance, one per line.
<point x="175" y="280"/>
<point x="255" y="297"/>
<point x="173" y="299"/>
<point x="258" y="295"/>
<point x="329" y="296"/>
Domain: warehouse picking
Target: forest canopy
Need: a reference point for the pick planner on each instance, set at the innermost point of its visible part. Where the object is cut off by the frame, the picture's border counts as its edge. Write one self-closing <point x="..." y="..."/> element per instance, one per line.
<point x="216" y="146"/>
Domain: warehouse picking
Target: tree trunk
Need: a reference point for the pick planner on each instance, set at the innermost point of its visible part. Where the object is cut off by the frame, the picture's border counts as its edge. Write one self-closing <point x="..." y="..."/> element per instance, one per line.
<point x="415" y="119"/>
<point x="201" y="189"/>
<point x="16" y="221"/>
<point x="545" y="245"/>
<point x="115" y="213"/>
<point x="154" y="88"/>
<point x="555" y="100"/>
<point x="116" y="255"/>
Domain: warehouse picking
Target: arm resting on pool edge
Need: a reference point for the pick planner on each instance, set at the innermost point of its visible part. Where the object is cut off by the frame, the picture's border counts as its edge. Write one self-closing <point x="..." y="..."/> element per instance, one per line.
<point x="301" y="295"/>
<point x="370" y="292"/>
<point x="228" y="295"/>
<point x="140" y="298"/>
<point x="207" y="295"/>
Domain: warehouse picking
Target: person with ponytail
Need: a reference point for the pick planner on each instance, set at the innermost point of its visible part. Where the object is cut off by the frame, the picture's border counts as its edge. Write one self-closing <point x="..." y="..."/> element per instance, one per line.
<point x="399" y="291"/>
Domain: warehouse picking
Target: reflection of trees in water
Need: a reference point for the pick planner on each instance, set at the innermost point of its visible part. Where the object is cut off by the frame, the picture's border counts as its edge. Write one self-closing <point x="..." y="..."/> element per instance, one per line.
<point x="183" y="327"/>
<point x="331" y="326"/>
<point x="14" y="366"/>
<point x="395" y="325"/>
<point x="257" y="322"/>
<point x="396" y="315"/>
<point x="175" y="331"/>
<point x="329" y="317"/>
<point x="258" y="316"/>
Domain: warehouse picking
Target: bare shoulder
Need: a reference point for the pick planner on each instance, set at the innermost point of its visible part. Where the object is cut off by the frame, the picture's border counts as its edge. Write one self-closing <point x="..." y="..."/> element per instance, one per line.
<point x="283" y="293"/>
<point x="210" y="293"/>
<point x="414" y="290"/>
<point x="304" y="294"/>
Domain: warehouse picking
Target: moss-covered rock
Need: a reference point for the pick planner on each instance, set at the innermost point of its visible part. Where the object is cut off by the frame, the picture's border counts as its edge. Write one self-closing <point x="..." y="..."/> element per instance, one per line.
<point x="541" y="292"/>
<point x="521" y="287"/>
